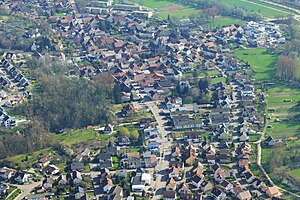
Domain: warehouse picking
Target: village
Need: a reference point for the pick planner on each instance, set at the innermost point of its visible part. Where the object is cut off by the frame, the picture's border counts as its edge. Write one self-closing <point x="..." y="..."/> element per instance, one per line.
<point x="190" y="148"/>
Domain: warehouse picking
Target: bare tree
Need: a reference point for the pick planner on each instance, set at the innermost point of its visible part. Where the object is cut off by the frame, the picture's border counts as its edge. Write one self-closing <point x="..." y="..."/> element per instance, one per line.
<point x="286" y="67"/>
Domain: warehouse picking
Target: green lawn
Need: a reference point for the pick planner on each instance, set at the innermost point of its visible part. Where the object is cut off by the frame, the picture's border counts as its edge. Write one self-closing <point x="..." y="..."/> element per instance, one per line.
<point x="13" y="195"/>
<point x="261" y="62"/>
<point x="223" y="21"/>
<point x="155" y="4"/>
<point x="81" y="135"/>
<point x="295" y="172"/>
<point x="181" y="14"/>
<point x="265" y="155"/>
<point x="251" y="7"/>
<point x="25" y="161"/>
<point x="254" y="137"/>
<point x="219" y="79"/>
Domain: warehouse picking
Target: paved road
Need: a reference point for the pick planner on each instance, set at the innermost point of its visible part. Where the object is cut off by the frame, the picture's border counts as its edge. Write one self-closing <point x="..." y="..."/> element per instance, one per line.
<point x="165" y="150"/>
<point x="26" y="189"/>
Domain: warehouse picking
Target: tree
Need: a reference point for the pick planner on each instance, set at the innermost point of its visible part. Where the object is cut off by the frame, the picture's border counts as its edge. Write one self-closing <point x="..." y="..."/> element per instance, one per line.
<point x="117" y="94"/>
<point x="134" y="135"/>
<point x="286" y="67"/>
<point x="204" y="84"/>
<point x="276" y="159"/>
<point x="124" y="131"/>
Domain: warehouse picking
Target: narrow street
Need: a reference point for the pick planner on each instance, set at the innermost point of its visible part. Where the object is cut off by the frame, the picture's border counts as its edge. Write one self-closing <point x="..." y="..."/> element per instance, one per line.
<point x="26" y="189"/>
<point x="165" y="149"/>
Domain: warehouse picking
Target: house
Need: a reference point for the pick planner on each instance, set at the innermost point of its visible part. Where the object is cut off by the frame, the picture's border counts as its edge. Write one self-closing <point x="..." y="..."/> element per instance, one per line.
<point x="198" y="170"/>
<point x="128" y="110"/>
<point x="150" y="161"/>
<point x="169" y="195"/>
<point x="105" y="160"/>
<point x="21" y="177"/>
<point x="192" y="136"/>
<point x="273" y="191"/>
<point x="7" y="173"/>
<point x="173" y="173"/>
<point x="123" y="140"/>
<point x="227" y="186"/>
<point x="237" y="189"/>
<point x="206" y="186"/>
<point x="249" y="177"/>
<point x="244" y="137"/>
<point x="187" y="124"/>
<point x="108" y="129"/>
<point x="196" y="181"/>
<point x="153" y="146"/>
<point x="86" y="153"/>
<point x="80" y="193"/>
<point x="43" y="162"/>
<point x="190" y="155"/>
<point x="258" y="184"/>
<point x="220" y="174"/>
<point x="62" y="180"/>
<point x="115" y="193"/>
<point x="218" y="194"/>
<point x="171" y="185"/>
<point x="105" y="184"/>
<point x="270" y="141"/>
<point x="244" y="195"/>
<point x="183" y="188"/>
<point x="139" y="182"/>
<point x="3" y="189"/>
<point x="211" y="158"/>
<point x="51" y="169"/>
<point x="132" y="160"/>
<point x="223" y="156"/>
<point x="76" y="177"/>
<point x="121" y="173"/>
<point x="145" y="122"/>
<point x="77" y="166"/>
<point x="176" y="153"/>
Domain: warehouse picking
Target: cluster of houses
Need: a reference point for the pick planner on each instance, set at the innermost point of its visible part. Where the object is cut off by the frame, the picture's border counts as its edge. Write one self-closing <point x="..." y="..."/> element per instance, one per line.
<point x="254" y="34"/>
<point x="13" y="84"/>
<point x="109" y="7"/>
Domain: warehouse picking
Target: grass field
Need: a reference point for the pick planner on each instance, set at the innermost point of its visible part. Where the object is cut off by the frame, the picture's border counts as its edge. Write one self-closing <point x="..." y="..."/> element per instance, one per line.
<point x="265" y="10"/>
<point x="181" y="14"/>
<point x="295" y="172"/>
<point x="222" y="21"/>
<point x="155" y="4"/>
<point x="261" y="62"/>
<point x="81" y="135"/>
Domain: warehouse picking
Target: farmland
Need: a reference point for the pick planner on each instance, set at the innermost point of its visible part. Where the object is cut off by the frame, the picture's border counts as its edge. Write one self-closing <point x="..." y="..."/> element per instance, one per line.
<point x="283" y="108"/>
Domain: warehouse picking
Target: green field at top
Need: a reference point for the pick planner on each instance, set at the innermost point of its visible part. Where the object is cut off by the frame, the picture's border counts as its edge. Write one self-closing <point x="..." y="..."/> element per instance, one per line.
<point x="261" y="62"/>
<point x="181" y="14"/>
<point x="257" y="6"/>
<point x="156" y="4"/>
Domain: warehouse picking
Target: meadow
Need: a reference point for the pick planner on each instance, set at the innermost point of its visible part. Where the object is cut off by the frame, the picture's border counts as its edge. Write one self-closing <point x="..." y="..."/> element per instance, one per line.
<point x="262" y="63"/>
